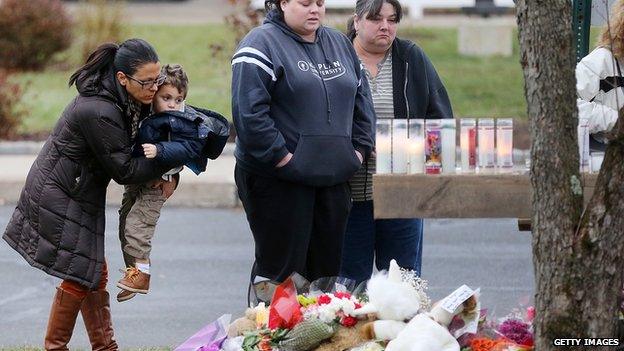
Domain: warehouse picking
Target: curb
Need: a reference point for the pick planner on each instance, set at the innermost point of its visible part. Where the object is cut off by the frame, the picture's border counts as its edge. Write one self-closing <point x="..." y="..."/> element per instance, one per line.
<point x="20" y="147"/>
<point x="219" y="195"/>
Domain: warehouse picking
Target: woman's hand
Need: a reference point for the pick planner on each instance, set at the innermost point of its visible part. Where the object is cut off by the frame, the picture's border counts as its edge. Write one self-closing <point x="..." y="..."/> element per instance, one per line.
<point x="284" y="161"/>
<point x="149" y="150"/>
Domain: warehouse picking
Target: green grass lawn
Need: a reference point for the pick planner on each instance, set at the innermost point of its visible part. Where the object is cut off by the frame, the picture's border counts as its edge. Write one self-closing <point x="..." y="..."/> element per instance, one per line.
<point x="478" y="87"/>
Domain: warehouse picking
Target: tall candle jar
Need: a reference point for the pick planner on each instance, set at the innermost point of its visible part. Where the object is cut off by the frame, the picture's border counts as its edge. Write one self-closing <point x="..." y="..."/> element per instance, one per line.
<point x="583" y="144"/>
<point x="416" y="149"/>
<point x="468" y="144"/>
<point x="433" y="146"/>
<point x="449" y="145"/>
<point x="504" y="142"/>
<point x="399" y="146"/>
<point x="383" y="146"/>
<point x="485" y="128"/>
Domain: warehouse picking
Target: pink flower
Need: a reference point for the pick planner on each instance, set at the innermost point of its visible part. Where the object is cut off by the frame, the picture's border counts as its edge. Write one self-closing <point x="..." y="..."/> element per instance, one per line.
<point x="323" y="300"/>
<point x="517" y="331"/>
<point x="530" y="313"/>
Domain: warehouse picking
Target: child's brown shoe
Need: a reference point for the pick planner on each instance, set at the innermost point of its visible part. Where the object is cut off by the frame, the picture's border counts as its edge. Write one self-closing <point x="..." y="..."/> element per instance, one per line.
<point x="134" y="281"/>
<point x="125" y="295"/>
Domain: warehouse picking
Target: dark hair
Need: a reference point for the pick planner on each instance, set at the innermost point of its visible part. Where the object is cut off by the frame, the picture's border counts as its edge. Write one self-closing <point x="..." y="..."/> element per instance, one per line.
<point x="371" y="8"/>
<point x="127" y="58"/>
<point x="176" y="77"/>
<point x="273" y="5"/>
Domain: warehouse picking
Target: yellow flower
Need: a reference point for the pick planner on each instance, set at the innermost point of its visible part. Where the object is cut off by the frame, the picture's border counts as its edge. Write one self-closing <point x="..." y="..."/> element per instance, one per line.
<point x="306" y="301"/>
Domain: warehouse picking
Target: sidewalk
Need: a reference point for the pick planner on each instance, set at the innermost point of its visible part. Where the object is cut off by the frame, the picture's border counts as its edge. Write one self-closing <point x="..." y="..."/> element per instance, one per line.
<point x="214" y="188"/>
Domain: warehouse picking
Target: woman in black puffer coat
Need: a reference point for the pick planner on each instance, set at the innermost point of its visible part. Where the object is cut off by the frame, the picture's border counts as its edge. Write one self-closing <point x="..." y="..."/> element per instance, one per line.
<point x="58" y="225"/>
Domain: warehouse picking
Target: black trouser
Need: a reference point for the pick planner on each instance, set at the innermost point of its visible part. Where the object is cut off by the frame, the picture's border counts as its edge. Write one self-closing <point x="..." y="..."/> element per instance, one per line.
<point x="296" y="228"/>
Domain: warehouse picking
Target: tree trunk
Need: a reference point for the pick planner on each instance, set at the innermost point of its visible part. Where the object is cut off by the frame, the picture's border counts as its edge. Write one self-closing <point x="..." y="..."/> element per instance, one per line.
<point x="577" y="255"/>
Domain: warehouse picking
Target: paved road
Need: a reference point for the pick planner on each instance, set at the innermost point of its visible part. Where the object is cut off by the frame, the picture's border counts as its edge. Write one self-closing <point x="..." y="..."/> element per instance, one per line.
<point x="214" y="11"/>
<point x="169" y="12"/>
<point x="201" y="260"/>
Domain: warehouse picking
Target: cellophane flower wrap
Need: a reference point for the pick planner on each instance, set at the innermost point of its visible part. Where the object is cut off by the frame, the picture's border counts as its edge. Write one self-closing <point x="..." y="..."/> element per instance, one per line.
<point x="511" y="333"/>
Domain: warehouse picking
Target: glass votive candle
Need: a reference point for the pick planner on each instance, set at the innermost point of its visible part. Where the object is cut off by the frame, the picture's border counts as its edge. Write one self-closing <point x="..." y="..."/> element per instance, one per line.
<point x="383" y="146"/>
<point x="449" y="145"/>
<point x="504" y="142"/>
<point x="485" y="140"/>
<point x="433" y="146"/>
<point x="468" y="144"/>
<point x="416" y="149"/>
<point x="399" y="146"/>
<point x="596" y="161"/>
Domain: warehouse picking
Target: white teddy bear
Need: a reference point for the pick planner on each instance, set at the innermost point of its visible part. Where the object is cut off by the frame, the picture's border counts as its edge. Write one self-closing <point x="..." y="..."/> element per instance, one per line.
<point x="396" y="298"/>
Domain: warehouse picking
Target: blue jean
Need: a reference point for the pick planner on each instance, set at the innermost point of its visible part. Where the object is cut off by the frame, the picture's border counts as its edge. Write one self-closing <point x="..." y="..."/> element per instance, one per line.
<point x="382" y="239"/>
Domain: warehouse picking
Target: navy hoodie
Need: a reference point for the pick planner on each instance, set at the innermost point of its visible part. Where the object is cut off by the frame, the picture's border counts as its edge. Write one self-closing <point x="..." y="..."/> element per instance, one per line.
<point x="308" y="98"/>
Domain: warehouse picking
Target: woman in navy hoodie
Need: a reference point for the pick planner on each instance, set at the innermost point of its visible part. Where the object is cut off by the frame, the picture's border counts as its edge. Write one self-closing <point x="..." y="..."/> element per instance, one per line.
<point x="305" y="122"/>
<point x="404" y="84"/>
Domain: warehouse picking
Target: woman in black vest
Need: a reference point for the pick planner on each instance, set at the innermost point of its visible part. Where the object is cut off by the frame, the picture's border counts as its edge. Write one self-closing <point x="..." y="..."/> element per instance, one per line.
<point x="58" y="225"/>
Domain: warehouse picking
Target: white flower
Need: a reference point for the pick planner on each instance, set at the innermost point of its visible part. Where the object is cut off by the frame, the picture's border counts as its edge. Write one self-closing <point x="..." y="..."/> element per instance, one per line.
<point x="327" y="315"/>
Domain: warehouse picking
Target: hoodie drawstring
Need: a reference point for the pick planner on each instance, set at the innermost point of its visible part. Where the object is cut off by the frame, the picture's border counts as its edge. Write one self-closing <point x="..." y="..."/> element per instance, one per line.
<point x="327" y="100"/>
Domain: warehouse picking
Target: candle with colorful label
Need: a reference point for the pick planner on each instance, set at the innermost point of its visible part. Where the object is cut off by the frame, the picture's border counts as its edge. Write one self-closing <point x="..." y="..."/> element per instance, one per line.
<point x="433" y="146"/>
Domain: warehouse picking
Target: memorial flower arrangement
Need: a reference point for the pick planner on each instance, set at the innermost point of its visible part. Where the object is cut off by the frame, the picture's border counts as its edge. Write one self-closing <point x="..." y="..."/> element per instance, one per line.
<point x="333" y="315"/>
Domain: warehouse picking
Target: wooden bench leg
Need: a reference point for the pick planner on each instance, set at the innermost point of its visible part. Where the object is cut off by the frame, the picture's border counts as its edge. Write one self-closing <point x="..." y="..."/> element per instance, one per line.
<point x="524" y="224"/>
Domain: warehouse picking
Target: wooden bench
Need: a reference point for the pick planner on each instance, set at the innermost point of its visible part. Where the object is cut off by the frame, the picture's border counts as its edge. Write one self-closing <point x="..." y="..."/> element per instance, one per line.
<point x="458" y="196"/>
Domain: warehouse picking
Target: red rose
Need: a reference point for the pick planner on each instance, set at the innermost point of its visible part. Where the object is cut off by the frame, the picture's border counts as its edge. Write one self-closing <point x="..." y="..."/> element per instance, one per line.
<point x="323" y="300"/>
<point x="357" y="305"/>
<point x="342" y="295"/>
<point x="348" y="321"/>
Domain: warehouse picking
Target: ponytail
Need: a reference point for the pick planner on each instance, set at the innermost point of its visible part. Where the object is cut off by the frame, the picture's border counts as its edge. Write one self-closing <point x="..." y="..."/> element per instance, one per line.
<point x="127" y="58"/>
<point x="101" y="58"/>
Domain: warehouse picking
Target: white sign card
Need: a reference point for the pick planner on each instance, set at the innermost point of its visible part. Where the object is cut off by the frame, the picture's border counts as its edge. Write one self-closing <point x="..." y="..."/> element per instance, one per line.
<point x="456" y="298"/>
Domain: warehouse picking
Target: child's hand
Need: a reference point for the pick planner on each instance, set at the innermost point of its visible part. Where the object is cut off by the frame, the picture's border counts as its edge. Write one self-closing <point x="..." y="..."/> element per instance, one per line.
<point x="149" y="150"/>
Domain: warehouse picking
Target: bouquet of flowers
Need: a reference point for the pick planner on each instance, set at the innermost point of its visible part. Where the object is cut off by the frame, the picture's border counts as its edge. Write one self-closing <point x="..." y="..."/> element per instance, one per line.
<point x="512" y="333"/>
<point x="299" y="320"/>
<point x="331" y="308"/>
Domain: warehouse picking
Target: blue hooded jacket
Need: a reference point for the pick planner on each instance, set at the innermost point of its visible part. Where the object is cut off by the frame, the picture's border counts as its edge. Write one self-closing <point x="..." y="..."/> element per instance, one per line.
<point x="308" y="98"/>
<point x="187" y="138"/>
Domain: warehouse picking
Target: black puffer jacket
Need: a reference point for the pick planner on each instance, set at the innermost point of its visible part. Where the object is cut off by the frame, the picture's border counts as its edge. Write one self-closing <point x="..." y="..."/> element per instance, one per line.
<point x="58" y="225"/>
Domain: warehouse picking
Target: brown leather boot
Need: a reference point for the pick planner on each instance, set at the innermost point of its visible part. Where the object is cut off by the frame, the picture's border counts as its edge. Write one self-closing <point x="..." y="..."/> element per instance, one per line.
<point x="63" y="313"/>
<point x="97" y="318"/>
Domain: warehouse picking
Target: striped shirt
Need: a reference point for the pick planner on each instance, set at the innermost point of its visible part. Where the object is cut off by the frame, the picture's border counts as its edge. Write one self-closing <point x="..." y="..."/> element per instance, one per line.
<point x="381" y="91"/>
